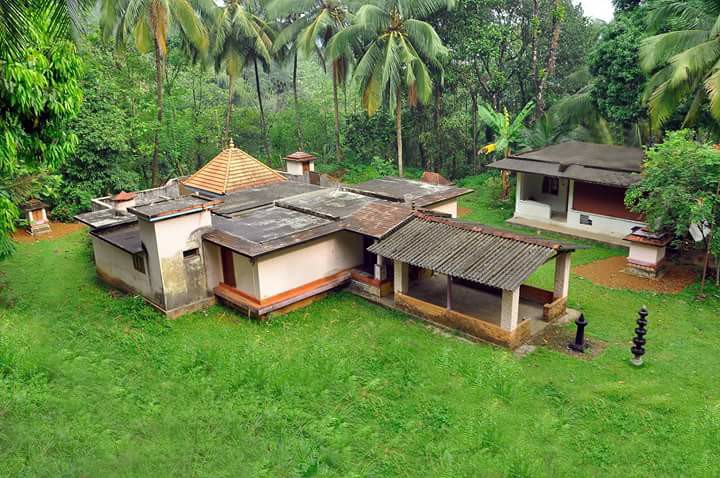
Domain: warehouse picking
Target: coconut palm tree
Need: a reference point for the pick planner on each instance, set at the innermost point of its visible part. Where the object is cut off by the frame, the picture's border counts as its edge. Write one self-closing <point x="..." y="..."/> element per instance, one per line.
<point x="149" y="22"/>
<point x="316" y="23"/>
<point x="240" y="36"/>
<point x="283" y="53"/>
<point x="685" y="61"/>
<point x="399" y="52"/>
<point x="508" y="134"/>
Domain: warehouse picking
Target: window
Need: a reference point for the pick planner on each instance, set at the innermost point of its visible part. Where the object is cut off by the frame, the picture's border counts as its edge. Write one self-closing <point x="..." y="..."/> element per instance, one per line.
<point x="190" y="253"/>
<point x="551" y="185"/>
<point x="139" y="262"/>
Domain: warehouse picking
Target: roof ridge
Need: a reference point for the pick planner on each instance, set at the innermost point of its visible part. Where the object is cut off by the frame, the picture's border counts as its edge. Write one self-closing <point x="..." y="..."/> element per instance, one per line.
<point x="227" y="168"/>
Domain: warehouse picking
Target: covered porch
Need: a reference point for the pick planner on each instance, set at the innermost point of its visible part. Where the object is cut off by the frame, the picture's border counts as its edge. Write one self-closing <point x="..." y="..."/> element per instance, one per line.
<point x="470" y="278"/>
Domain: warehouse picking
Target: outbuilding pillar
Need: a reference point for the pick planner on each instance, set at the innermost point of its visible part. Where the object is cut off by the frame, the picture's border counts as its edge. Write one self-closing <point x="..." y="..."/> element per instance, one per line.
<point x="380" y="269"/>
<point x="510" y="309"/>
<point x="562" y="275"/>
<point x="448" y="299"/>
<point x="401" y="277"/>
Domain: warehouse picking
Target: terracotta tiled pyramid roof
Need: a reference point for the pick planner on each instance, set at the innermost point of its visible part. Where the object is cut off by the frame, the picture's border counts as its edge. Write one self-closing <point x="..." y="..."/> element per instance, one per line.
<point x="230" y="170"/>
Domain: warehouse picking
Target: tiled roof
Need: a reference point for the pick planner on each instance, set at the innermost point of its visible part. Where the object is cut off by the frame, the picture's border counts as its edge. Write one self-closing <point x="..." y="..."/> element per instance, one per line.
<point x="123" y="196"/>
<point x="300" y="156"/>
<point x="469" y="251"/>
<point x="231" y="170"/>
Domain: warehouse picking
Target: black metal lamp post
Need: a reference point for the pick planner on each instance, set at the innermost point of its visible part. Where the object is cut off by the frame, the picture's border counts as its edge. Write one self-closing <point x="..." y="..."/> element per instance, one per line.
<point x="638" y="349"/>
<point x="579" y="345"/>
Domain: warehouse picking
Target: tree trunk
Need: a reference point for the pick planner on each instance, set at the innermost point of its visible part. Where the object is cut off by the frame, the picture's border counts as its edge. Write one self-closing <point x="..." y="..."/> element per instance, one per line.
<point x="535" y="26"/>
<point x="474" y="130"/>
<point x="398" y="126"/>
<point x="338" y="151"/>
<point x="552" y="59"/>
<point x="158" y="126"/>
<point x="262" y="112"/>
<point x="709" y="246"/>
<point x="228" y="116"/>
<point x="298" y="121"/>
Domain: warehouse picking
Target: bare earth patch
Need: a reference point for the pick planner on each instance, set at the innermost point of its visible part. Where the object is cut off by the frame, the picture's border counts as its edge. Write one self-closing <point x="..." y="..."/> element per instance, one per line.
<point x="463" y="211"/>
<point x="609" y="273"/>
<point x="558" y="338"/>
<point x="57" y="230"/>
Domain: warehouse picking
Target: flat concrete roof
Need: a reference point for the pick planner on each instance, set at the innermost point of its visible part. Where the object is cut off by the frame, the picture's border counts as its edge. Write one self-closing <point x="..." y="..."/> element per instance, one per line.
<point x="252" y="198"/>
<point x="126" y="237"/>
<point x="104" y="218"/>
<point x="400" y="189"/>
<point x="329" y="203"/>
<point x="263" y="225"/>
<point x="167" y="208"/>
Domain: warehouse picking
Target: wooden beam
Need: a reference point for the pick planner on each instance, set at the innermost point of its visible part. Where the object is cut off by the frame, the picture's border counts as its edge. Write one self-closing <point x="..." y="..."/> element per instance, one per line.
<point x="449" y="292"/>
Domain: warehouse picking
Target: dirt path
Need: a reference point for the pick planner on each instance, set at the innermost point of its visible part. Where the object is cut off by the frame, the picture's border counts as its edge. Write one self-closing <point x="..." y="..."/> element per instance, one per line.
<point x="609" y="273"/>
<point x="57" y="230"/>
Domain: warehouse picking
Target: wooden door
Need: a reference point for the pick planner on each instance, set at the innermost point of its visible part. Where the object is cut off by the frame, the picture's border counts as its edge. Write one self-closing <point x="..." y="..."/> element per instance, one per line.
<point x="306" y="167"/>
<point x="228" y="267"/>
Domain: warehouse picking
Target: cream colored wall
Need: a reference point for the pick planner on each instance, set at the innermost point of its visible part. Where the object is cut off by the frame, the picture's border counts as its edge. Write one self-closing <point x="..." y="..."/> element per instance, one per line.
<point x="294" y="168"/>
<point x="646" y="254"/>
<point x="246" y="275"/>
<point x="294" y="267"/>
<point x="116" y="266"/>
<point x="183" y="281"/>
<point x="213" y="264"/>
<point x="448" y="207"/>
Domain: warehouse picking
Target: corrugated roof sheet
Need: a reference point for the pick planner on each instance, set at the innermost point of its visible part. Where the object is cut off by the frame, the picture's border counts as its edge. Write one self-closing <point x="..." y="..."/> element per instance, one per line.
<point x="231" y="170"/>
<point x="469" y="251"/>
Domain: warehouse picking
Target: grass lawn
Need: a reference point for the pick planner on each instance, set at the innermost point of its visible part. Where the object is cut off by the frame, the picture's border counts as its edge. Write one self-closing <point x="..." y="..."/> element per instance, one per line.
<point x="96" y="385"/>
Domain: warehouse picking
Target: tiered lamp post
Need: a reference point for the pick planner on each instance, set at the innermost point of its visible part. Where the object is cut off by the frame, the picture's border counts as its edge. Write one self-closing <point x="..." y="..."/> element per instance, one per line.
<point x="638" y="349"/>
<point x="579" y="345"/>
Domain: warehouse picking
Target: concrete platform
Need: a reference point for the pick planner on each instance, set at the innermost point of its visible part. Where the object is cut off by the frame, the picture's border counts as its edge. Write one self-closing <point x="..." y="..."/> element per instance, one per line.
<point x="569" y="231"/>
<point x="475" y="303"/>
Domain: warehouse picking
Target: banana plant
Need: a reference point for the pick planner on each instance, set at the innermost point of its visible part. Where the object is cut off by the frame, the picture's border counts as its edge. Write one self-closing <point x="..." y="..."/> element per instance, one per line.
<point x="508" y="134"/>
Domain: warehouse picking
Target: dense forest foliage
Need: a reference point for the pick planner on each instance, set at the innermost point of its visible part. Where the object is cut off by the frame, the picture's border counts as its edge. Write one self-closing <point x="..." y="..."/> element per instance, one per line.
<point x="368" y="87"/>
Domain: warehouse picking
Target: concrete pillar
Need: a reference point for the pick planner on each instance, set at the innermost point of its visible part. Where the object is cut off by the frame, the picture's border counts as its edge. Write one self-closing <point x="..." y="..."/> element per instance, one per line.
<point x="380" y="268"/>
<point x="519" y="187"/>
<point x="449" y="293"/>
<point x="510" y="309"/>
<point x="562" y="275"/>
<point x="401" y="277"/>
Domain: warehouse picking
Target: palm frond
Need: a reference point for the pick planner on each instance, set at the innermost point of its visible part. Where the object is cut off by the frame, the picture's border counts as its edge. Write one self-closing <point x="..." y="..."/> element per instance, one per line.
<point x="658" y="49"/>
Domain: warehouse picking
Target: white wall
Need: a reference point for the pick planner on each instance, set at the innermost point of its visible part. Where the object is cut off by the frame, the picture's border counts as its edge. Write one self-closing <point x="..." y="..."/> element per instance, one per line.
<point x="116" y="265"/>
<point x="448" y="207"/>
<point x="533" y="209"/>
<point x="530" y="189"/>
<point x="646" y="254"/>
<point x="287" y="269"/>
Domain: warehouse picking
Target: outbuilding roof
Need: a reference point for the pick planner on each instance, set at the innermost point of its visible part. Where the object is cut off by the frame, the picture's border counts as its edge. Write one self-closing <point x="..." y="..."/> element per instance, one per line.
<point x="610" y="165"/>
<point x="34" y="205"/>
<point x="231" y="170"/>
<point x="468" y="251"/>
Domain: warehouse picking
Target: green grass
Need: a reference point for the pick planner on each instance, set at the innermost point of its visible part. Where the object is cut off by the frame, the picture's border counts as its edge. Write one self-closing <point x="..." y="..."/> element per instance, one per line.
<point x="96" y="385"/>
